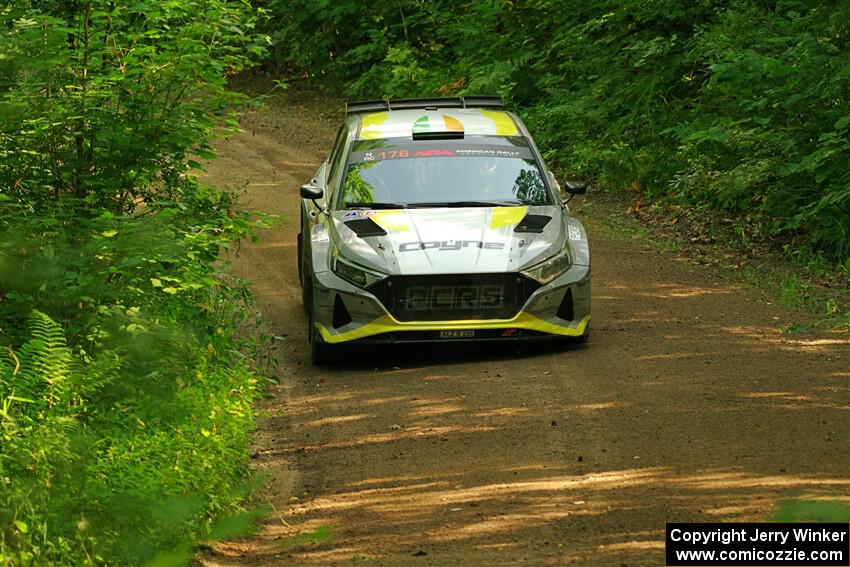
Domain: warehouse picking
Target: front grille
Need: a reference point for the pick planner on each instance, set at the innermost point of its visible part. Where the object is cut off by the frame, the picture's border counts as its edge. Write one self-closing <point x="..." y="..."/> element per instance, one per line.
<point x="450" y="297"/>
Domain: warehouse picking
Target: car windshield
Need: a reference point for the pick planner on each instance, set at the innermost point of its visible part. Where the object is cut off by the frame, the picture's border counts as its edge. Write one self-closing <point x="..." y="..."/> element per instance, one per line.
<point x="476" y="171"/>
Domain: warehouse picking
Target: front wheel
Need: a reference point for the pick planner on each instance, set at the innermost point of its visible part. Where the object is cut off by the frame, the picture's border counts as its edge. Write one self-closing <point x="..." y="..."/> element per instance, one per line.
<point x="582" y="338"/>
<point x="321" y="353"/>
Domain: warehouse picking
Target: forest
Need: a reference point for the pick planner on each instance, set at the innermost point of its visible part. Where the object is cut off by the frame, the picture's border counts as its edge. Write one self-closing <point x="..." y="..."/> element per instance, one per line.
<point x="736" y="106"/>
<point x="126" y="386"/>
<point x="125" y="393"/>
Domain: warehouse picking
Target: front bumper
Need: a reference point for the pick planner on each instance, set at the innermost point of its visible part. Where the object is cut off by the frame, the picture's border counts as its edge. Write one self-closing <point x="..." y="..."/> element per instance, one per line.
<point x="369" y="320"/>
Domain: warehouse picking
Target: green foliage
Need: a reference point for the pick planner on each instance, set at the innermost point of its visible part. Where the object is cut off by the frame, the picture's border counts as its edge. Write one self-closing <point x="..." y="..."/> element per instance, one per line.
<point x="125" y="393"/>
<point x="813" y="511"/>
<point x="106" y="101"/>
<point x="320" y="534"/>
<point x="736" y="105"/>
<point x="358" y="190"/>
<point x="122" y="439"/>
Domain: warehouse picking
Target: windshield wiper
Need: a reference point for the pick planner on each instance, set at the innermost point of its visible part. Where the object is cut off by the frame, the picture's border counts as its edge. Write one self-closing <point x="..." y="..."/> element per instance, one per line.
<point x="375" y="206"/>
<point x="450" y="204"/>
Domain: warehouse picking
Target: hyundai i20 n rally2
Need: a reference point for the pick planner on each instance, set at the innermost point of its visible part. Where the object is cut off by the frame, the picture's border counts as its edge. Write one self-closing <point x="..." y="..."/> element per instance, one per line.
<point x="437" y="220"/>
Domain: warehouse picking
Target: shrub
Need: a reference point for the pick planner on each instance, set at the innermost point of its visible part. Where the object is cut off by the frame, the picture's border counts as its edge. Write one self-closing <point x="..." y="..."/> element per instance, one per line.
<point x="125" y="394"/>
<point x="725" y="103"/>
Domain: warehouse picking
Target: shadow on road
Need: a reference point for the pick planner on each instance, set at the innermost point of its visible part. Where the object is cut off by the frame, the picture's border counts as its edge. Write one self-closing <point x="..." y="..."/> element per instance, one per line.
<point x="688" y="404"/>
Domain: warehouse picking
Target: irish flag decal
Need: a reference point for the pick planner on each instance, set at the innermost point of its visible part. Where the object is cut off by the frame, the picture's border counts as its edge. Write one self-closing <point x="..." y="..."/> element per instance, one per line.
<point x="437" y="124"/>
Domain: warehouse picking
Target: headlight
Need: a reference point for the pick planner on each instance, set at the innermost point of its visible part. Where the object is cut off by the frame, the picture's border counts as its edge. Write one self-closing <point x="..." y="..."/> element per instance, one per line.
<point x="548" y="270"/>
<point x="353" y="273"/>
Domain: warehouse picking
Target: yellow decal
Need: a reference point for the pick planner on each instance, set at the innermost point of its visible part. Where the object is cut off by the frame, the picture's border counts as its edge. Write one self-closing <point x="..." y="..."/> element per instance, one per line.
<point x="370" y="126"/>
<point x="382" y="324"/>
<point x="387" y="324"/>
<point x="452" y="124"/>
<point x="504" y="124"/>
<point x="391" y="220"/>
<point x="507" y="216"/>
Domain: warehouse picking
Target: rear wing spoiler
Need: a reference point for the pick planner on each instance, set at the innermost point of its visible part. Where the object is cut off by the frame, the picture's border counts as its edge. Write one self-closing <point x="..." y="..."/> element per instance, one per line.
<point x="365" y="106"/>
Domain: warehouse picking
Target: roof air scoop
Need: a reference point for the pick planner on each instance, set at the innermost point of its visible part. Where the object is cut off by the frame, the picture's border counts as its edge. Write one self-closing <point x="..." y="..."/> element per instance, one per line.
<point x="437" y="128"/>
<point x="438" y="135"/>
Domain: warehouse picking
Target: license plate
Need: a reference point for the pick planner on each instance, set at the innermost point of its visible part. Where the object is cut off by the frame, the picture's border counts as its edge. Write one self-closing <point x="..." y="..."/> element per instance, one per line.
<point x="457" y="334"/>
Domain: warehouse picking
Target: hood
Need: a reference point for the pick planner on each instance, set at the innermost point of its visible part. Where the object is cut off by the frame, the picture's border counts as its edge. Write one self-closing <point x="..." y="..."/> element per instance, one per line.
<point x="450" y="240"/>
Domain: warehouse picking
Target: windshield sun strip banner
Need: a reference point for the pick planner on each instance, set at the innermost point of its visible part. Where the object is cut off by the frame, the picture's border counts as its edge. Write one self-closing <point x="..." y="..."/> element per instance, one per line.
<point x="441" y="151"/>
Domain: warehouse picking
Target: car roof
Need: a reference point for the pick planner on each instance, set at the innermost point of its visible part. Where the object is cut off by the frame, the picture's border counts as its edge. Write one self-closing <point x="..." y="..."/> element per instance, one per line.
<point x="402" y="123"/>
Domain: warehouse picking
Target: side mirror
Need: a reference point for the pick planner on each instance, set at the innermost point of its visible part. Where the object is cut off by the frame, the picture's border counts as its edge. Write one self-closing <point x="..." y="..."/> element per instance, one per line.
<point x="311" y="192"/>
<point x="575" y="187"/>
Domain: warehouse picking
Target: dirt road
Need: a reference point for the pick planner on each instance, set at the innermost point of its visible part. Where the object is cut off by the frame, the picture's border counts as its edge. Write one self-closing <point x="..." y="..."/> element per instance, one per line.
<point x="686" y="405"/>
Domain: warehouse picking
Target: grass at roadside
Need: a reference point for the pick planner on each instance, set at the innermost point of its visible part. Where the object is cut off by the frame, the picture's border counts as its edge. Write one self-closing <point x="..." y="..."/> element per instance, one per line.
<point x="125" y="390"/>
<point x="814" y="292"/>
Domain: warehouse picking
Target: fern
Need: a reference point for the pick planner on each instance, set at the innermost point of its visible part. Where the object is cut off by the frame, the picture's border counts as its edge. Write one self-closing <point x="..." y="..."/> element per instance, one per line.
<point x="45" y="360"/>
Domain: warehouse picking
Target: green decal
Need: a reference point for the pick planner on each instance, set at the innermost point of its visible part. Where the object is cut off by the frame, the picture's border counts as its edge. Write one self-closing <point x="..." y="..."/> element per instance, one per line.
<point x="422" y="124"/>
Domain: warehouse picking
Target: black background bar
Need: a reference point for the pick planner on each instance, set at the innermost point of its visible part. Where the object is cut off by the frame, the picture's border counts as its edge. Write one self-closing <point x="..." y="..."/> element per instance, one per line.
<point x="758" y="544"/>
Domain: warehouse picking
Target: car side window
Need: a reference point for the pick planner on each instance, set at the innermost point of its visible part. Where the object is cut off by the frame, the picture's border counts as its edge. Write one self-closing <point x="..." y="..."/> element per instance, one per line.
<point x="335" y="158"/>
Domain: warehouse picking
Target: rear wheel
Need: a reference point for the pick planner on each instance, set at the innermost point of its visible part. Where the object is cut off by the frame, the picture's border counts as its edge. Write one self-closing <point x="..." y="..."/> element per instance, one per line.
<point x="300" y="260"/>
<point x="307" y="295"/>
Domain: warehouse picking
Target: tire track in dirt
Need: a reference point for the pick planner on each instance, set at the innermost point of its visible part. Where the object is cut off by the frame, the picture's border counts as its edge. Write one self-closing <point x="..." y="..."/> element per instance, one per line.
<point x="686" y="405"/>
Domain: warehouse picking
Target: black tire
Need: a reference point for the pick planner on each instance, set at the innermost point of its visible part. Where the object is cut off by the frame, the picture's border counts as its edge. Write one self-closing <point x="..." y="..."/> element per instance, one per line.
<point x="300" y="261"/>
<point x="321" y="353"/>
<point x="304" y="274"/>
<point x="582" y="338"/>
<point x="307" y="295"/>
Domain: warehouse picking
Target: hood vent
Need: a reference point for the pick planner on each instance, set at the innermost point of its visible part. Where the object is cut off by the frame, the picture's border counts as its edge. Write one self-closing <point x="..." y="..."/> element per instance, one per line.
<point x="366" y="227"/>
<point x="533" y="223"/>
